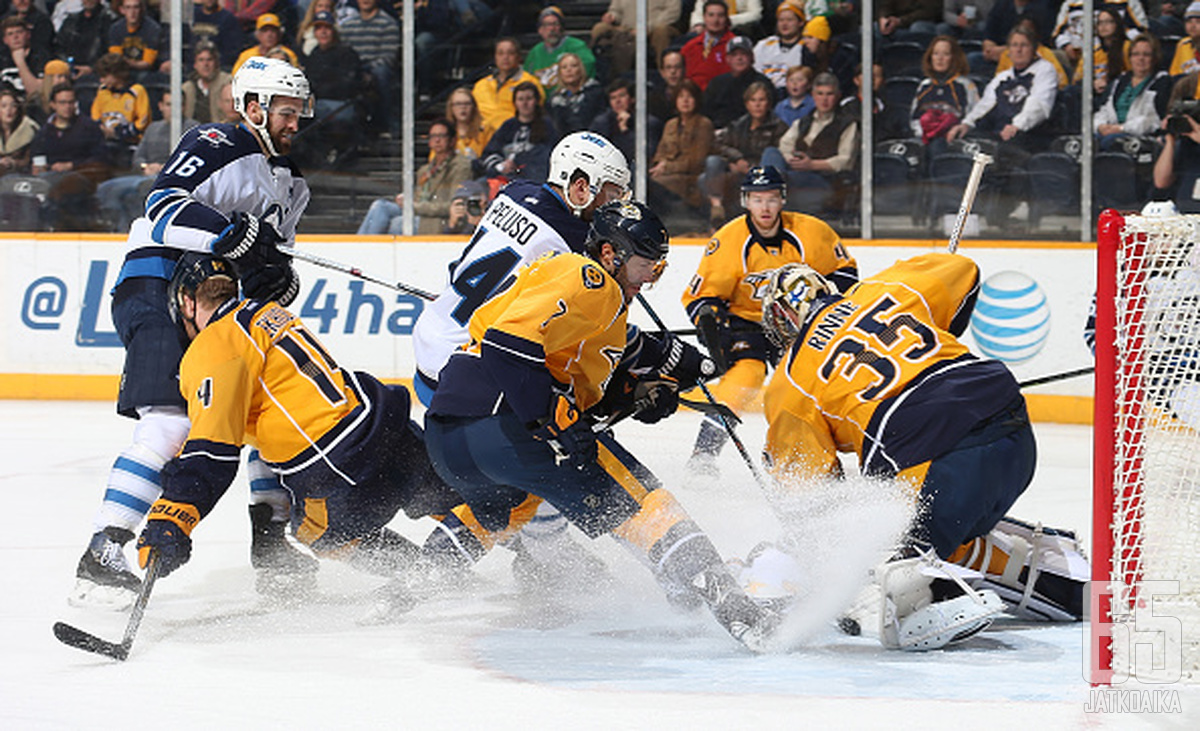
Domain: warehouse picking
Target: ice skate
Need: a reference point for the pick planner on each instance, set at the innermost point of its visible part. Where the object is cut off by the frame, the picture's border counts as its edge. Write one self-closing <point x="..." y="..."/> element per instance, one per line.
<point x="750" y="623"/>
<point x="280" y="569"/>
<point x="389" y="603"/>
<point x="104" y="578"/>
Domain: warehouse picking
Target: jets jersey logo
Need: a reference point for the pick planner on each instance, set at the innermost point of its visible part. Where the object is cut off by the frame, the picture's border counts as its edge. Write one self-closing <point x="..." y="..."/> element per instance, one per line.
<point x="215" y="137"/>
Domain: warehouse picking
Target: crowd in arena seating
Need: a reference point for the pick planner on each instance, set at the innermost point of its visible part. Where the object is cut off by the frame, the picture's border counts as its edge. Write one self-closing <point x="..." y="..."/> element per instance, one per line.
<point x="734" y="83"/>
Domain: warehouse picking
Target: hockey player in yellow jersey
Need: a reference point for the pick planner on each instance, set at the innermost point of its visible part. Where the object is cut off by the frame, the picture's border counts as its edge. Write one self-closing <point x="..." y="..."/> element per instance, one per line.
<point x="724" y="298"/>
<point x="879" y="371"/>
<point x="508" y="419"/>
<point x="341" y="442"/>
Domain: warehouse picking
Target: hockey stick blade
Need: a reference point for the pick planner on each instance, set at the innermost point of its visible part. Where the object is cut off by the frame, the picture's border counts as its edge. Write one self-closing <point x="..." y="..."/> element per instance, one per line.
<point x="77" y="638"/>
<point x="716" y="410"/>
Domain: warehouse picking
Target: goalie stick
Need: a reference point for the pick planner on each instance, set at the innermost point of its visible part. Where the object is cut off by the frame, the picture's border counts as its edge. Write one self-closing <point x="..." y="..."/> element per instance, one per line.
<point x="355" y="272"/>
<point x="1041" y="380"/>
<point x="88" y="642"/>
<point x="968" y="200"/>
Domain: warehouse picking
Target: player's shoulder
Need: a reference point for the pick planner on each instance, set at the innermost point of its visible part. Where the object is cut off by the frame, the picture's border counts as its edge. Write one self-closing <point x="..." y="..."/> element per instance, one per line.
<point x="219" y="142"/>
<point x="734" y="233"/>
<point x="805" y="223"/>
<point x="261" y="320"/>
<point x="544" y="203"/>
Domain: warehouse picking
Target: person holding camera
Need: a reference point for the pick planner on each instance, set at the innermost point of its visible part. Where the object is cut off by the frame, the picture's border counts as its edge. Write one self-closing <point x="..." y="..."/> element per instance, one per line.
<point x="1177" y="168"/>
<point x="466" y="209"/>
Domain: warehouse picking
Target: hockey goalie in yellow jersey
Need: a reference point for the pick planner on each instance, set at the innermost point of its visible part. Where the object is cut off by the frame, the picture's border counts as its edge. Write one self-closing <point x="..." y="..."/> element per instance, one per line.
<point x="879" y="371"/>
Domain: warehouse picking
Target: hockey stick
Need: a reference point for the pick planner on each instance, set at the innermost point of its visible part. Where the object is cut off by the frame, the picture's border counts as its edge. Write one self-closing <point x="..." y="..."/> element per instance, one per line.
<point x="1057" y="377"/>
<point x="968" y="199"/>
<point x="87" y="642"/>
<point x="355" y="272"/>
<point x="725" y="423"/>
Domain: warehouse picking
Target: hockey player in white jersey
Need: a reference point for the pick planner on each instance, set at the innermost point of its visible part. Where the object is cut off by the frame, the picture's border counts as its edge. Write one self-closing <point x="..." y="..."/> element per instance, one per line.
<point x="228" y="189"/>
<point x="525" y="220"/>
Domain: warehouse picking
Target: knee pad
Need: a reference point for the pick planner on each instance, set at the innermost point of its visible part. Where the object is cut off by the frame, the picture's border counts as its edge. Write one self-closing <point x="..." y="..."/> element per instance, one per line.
<point x="161" y="430"/>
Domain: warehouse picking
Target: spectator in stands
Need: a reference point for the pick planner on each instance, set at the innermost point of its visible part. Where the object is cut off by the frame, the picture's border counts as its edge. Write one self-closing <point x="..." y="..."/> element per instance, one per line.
<point x="16" y="134"/>
<point x="306" y="40"/>
<point x="225" y="100"/>
<point x="774" y="55"/>
<point x="437" y="181"/>
<point x="944" y="97"/>
<point x="37" y="101"/>
<point x="900" y="20"/>
<point x="798" y="103"/>
<point x="743" y="17"/>
<point x="466" y="208"/>
<point x="121" y="199"/>
<point x="816" y="40"/>
<point x="618" y="124"/>
<point x="1003" y="17"/>
<point x="739" y="147"/>
<point x="41" y="30"/>
<point x="493" y="93"/>
<point x="578" y="99"/>
<point x="18" y="60"/>
<point x="686" y="142"/>
<point x="1187" y="51"/>
<point x="817" y="149"/>
<point x="121" y="109"/>
<point x="1177" y="167"/>
<point x="542" y="60"/>
<point x="1014" y="109"/>
<point x="705" y="54"/>
<point x="888" y="124"/>
<point x="1169" y="21"/>
<point x="724" y="100"/>
<point x="1110" y="51"/>
<point x="1138" y="101"/>
<point x="269" y="35"/>
<point x="83" y="36"/>
<point x="248" y="12"/>
<point x="613" y="36"/>
<point x="1044" y="51"/>
<point x="200" y="99"/>
<point x="69" y="152"/>
<point x="672" y="70"/>
<point x="375" y="35"/>
<point x="1068" y="29"/>
<point x="215" y="24"/>
<point x="335" y="75"/>
<point x="521" y="146"/>
<point x="138" y="38"/>
<point x="471" y="131"/>
<point x="964" y="18"/>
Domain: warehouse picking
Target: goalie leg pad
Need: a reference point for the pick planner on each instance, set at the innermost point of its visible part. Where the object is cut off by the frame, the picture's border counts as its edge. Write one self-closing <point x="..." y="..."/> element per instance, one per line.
<point x="915" y="616"/>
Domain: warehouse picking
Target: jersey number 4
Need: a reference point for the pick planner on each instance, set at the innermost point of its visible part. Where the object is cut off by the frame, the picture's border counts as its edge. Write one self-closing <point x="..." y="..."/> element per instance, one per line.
<point x="479" y="280"/>
<point x="852" y="352"/>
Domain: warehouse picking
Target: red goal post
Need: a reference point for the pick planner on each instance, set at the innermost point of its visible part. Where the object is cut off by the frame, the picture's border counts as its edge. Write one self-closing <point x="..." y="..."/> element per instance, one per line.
<point x="1146" y="454"/>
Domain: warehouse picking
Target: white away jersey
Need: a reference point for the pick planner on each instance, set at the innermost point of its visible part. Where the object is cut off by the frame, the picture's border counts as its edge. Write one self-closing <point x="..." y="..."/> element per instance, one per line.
<point x="215" y="171"/>
<point x="525" y="220"/>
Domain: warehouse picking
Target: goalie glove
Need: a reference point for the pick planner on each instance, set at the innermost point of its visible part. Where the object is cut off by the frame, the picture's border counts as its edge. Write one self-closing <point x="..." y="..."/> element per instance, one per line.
<point x="711" y="320"/>
<point x="567" y="432"/>
<point x="167" y="531"/>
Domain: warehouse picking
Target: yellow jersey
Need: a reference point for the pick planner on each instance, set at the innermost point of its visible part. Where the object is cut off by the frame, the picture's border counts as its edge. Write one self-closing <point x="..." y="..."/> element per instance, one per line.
<point x="733" y="266"/>
<point x="559" y="324"/>
<point x="881" y="373"/>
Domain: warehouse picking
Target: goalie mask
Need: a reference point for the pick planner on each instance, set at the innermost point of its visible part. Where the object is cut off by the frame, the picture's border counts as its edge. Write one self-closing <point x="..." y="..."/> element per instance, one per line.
<point x="192" y="270"/>
<point x="791" y="291"/>
<point x="595" y="158"/>
<point x="631" y="228"/>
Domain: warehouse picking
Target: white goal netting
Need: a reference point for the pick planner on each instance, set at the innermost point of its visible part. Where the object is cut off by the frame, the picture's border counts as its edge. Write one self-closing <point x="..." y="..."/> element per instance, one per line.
<point x="1153" y="433"/>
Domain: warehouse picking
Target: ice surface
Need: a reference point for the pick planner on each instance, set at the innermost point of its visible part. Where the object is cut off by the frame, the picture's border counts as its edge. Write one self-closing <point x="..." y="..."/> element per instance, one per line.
<point x="612" y="655"/>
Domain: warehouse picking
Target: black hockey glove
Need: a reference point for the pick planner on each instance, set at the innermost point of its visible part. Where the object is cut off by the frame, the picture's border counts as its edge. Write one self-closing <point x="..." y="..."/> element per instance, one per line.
<point x="167" y="531"/>
<point x="656" y="400"/>
<point x="250" y="242"/>
<point x="568" y="433"/>
<point x="684" y="362"/>
<point x="277" y="282"/>
<point x="711" y="321"/>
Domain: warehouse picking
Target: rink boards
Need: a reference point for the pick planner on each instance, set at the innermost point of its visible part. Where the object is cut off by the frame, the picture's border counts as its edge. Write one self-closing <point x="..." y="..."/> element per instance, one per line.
<point x="57" y="339"/>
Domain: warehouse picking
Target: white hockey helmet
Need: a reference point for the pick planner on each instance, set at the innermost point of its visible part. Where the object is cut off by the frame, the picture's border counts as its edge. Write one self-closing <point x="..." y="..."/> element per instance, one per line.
<point x="595" y="157"/>
<point x="791" y="291"/>
<point x="268" y="78"/>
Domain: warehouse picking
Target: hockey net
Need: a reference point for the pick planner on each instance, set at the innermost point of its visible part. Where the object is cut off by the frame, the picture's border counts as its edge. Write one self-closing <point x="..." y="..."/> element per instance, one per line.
<point x="1146" y="494"/>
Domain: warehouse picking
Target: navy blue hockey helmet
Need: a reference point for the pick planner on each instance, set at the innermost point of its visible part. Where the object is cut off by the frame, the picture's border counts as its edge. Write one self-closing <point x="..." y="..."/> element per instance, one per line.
<point x="193" y="269"/>
<point x="631" y="228"/>
<point x="764" y="177"/>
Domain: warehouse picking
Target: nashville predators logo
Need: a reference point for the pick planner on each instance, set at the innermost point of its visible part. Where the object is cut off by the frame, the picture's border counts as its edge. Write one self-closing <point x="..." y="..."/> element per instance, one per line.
<point x="593" y="278"/>
<point x="630" y="211"/>
<point x="713" y="244"/>
<point x="758" y="282"/>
